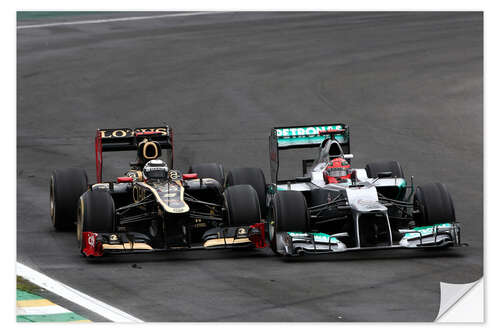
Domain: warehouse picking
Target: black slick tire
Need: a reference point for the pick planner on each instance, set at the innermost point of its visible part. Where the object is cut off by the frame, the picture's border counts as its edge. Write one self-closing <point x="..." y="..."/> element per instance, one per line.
<point x="290" y="214"/>
<point x="242" y="205"/>
<point x="250" y="176"/>
<point x="66" y="186"/>
<point x="96" y="213"/>
<point x="434" y="205"/>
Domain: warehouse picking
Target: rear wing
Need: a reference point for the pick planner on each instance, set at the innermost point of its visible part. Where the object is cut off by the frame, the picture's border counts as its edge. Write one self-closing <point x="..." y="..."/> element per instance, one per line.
<point x="127" y="139"/>
<point x="306" y="136"/>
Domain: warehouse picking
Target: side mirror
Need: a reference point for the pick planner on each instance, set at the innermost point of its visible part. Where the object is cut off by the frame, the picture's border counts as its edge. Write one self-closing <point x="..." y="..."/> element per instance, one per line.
<point x="348" y="156"/>
<point x="385" y="174"/>
<point x="341" y="234"/>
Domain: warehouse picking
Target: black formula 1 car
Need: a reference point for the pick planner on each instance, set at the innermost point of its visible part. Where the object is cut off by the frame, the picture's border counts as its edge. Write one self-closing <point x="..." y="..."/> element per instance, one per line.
<point x="154" y="207"/>
<point x="331" y="207"/>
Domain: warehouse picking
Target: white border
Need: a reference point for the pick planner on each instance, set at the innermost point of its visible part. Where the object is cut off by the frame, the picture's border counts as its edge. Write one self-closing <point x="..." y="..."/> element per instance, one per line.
<point x="491" y="121"/>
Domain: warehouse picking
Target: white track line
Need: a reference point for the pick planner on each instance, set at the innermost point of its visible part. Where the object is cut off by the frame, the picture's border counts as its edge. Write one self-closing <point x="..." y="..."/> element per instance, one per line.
<point x="75" y="296"/>
<point x="118" y="19"/>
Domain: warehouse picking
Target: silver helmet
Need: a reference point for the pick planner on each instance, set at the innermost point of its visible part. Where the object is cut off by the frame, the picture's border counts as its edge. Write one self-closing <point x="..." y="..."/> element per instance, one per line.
<point x="155" y="169"/>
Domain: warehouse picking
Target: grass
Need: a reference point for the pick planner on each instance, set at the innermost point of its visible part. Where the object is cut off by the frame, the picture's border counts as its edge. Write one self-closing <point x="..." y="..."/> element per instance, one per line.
<point x="27" y="286"/>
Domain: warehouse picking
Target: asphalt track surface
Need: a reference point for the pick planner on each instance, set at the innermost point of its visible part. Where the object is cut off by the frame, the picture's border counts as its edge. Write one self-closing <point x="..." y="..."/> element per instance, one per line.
<point x="410" y="85"/>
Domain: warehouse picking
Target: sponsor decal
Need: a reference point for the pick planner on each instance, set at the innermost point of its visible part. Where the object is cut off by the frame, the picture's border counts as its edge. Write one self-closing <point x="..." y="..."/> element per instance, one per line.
<point x="91" y="240"/>
<point x="306" y="135"/>
<point x="138" y="193"/>
<point x="129" y="132"/>
<point x="173" y="174"/>
<point x="91" y="247"/>
<point x="318" y="237"/>
<point x="166" y="188"/>
<point x="427" y="230"/>
<point x="174" y="201"/>
<point x="304" y="131"/>
<point x="369" y="204"/>
<point x="173" y="188"/>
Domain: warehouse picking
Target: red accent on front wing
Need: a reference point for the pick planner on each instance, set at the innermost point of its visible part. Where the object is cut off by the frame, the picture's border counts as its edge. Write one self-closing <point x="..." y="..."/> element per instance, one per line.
<point x="90" y="246"/>
<point x="259" y="239"/>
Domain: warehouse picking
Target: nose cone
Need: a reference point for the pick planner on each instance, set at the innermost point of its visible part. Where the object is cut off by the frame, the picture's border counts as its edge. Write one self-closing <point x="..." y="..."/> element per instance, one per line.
<point x="366" y="206"/>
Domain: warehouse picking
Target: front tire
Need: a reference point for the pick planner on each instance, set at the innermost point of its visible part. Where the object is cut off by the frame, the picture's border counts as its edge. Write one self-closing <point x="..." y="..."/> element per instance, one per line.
<point x="434" y="205"/>
<point x="96" y="213"/>
<point x="242" y="205"/>
<point x="289" y="214"/>
<point x="66" y="186"/>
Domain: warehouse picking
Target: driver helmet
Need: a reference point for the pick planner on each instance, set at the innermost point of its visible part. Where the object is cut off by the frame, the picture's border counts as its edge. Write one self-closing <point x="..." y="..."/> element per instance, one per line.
<point x="155" y="169"/>
<point x="337" y="171"/>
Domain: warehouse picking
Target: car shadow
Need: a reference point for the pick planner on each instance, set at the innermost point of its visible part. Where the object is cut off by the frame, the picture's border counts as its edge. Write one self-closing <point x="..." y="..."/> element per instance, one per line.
<point x="267" y="254"/>
<point x="397" y="254"/>
<point x="186" y="256"/>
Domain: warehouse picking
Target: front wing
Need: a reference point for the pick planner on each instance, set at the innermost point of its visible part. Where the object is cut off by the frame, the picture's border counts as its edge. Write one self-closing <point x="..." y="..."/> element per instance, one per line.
<point x="436" y="236"/>
<point x="99" y="244"/>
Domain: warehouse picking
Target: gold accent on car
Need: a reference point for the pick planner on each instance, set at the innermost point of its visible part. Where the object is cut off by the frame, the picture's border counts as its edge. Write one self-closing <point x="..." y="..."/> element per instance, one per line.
<point x="127" y="246"/>
<point x="225" y="241"/>
<point x="144" y="150"/>
<point x="163" y="203"/>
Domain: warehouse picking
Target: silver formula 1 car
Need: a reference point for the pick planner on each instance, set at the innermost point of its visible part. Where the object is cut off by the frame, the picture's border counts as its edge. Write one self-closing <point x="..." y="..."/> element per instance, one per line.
<point x="332" y="208"/>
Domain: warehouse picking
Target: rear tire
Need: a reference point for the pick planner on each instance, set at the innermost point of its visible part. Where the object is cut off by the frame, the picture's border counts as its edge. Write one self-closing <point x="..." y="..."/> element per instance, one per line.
<point x="242" y="205"/>
<point x="372" y="169"/>
<point x="435" y="205"/>
<point x="251" y="176"/>
<point x="289" y="214"/>
<point x="96" y="213"/>
<point x="209" y="170"/>
<point x="66" y="186"/>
